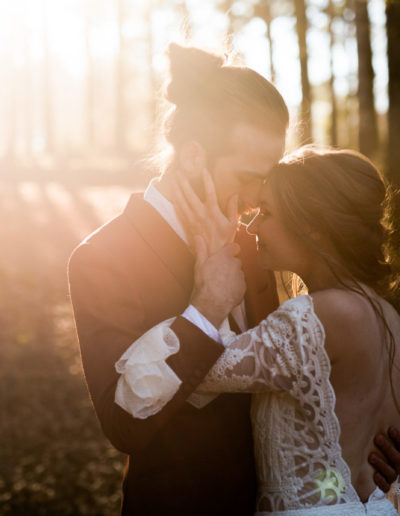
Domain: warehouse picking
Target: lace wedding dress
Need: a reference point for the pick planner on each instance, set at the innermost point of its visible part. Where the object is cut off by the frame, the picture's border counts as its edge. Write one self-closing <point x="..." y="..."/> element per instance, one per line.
<point x="282" y="361"/>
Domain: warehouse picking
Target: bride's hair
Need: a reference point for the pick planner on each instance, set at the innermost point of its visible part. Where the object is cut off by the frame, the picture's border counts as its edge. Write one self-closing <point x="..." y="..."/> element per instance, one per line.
<point x="343" y="197"/>
<point x="209" y="97"/>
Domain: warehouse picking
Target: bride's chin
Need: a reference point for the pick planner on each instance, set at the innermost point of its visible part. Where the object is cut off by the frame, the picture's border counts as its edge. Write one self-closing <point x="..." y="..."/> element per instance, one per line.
<point x="264" y="260"/>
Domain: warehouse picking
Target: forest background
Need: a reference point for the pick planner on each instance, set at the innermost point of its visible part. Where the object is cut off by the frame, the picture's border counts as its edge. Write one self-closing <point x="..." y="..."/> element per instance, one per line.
<point x="80" y="84"/>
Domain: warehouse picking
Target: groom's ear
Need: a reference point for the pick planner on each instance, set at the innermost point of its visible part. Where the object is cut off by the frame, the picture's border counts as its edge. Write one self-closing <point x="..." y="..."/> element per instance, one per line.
<point x="192" y="159"/>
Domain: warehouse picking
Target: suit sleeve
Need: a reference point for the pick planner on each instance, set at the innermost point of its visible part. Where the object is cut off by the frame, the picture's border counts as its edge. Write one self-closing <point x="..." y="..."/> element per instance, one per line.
<point x="109" y="316"/>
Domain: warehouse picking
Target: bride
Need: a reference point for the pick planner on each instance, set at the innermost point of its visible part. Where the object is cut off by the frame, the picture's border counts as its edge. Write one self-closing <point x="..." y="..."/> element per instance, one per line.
<point x="325" y="366"/>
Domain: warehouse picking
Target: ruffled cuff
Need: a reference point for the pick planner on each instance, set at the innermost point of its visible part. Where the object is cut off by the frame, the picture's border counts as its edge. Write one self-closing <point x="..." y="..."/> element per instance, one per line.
<point x="147" y="383"/>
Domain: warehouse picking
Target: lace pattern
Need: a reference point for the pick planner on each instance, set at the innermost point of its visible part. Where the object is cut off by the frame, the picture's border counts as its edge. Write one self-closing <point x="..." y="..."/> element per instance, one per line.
<point x="296" y="431"/>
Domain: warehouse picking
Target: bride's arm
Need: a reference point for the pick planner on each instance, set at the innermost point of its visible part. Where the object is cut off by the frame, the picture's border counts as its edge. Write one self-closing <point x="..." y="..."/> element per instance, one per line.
<point x="281" y="352"/>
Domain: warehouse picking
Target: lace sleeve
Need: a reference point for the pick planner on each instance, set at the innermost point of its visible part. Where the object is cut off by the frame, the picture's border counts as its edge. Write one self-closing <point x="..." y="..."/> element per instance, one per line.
<point x="274" y="356"/>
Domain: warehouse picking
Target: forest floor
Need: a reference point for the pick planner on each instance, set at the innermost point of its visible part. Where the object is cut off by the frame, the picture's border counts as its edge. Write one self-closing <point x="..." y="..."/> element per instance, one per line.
<point x="53" y="456"/>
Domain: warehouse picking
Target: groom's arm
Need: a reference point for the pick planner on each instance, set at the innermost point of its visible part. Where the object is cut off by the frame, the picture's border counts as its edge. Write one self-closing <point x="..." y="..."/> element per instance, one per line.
<point x="109" y="316"/>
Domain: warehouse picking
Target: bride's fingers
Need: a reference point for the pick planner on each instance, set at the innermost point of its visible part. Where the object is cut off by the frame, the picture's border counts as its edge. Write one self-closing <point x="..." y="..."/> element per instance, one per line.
<point x="183" y="206"/>
<point x="211" y="194"/>
<point x="191" y="198"/>
<point x="233" y="208"/>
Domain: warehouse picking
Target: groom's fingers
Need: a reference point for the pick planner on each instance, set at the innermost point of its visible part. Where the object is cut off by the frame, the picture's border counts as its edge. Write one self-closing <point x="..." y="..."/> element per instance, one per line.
<point x="381" y="482"/>
<point x="388" y="449"/>
<point x="382" y="468"/>
<point x="394" y="434"/>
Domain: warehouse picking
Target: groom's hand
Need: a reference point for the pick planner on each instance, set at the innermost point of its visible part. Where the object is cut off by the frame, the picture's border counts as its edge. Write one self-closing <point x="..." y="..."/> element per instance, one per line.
<point x="388" y="468"/>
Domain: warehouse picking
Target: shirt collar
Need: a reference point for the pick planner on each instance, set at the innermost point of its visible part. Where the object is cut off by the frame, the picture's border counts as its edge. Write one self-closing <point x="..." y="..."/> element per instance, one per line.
<point x="166" y="209"/>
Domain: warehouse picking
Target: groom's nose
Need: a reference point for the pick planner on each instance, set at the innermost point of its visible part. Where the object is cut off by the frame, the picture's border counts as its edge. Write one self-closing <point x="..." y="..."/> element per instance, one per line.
<point x="251" y="195"/>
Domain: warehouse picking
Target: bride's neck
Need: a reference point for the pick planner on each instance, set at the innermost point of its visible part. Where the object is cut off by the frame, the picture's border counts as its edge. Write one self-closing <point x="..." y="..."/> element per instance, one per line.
<point x="320" y="277"/>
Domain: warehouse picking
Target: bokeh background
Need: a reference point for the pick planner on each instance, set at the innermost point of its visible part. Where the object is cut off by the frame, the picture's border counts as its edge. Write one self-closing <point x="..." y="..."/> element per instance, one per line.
<point x="79" y="111"/>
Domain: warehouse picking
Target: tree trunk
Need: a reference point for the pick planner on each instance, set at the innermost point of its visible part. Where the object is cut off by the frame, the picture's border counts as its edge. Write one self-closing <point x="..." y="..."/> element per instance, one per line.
<point x="120" y="114"/>
<point x="183" y="10"/>
<point x="11" y="115"/>
<point x="301" y="29"/>
<point x="393" y="33"/>
<point x="368" y="131"/>
<point x="90" y="78"/>
<point x="263" y="10"/>
<point x="27" y="94"/>
<point x="47" y="89"/>
<point x="333" y="125"/>
<point x="152" y="80"/>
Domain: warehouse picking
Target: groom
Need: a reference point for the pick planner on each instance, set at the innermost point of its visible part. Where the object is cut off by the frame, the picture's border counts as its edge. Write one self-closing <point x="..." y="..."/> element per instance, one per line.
<point x="137" y="270"/>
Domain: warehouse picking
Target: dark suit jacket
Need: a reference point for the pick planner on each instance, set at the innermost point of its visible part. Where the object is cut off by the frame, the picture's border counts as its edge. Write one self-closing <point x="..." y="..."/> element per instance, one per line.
<point x="125" y="278"/>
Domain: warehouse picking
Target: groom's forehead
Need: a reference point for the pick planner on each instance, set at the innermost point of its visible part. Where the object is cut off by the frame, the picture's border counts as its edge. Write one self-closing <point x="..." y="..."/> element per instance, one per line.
<point x="256" y="142"/>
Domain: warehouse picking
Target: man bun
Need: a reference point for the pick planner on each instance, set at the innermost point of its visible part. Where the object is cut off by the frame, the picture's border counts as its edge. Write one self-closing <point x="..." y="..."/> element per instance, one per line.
<point x="191" y="74"/>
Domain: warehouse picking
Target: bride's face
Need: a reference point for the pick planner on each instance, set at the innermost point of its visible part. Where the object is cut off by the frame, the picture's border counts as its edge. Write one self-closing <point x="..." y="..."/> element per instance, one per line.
<point x="241" y="170"/>
<point x="279" y="248"/>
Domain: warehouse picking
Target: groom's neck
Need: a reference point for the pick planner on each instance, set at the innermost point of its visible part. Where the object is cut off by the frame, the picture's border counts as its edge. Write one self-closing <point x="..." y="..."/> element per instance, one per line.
<point x="165" y="185"/>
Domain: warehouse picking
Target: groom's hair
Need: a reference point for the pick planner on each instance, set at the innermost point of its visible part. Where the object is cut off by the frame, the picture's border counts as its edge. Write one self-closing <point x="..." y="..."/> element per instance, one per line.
<point x="210" y="97"/>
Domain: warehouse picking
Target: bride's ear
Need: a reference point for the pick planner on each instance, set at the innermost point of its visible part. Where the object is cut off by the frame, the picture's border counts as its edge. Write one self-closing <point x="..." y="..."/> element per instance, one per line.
<point x="192" y="159"/>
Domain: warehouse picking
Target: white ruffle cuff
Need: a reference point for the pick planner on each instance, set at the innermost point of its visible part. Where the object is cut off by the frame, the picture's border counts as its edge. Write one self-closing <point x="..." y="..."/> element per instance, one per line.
<point x="147" y="383"/>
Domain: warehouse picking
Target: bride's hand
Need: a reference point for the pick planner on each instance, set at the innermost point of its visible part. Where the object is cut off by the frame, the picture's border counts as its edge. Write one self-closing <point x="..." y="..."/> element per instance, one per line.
<point x="219" y="283"/>
<point x="206" y="218"/>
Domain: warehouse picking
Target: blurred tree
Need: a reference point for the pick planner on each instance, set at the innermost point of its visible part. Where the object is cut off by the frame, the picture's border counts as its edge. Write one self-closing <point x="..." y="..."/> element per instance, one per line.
<point x="263" y="11"/>
<point x="368" y="131"/>
<point x="151" y="74"/>
<point x="330" y="11"/>
<point x="306" y="101"/>
<point x="393" y="34"/>
<point x="183" y="12"/>
<point x="47" y="77"/>
<point x="90" y="76"/>
<point x="120" y="104"/>
<point x="27" y="93"/>
<point x="11" y="106"/>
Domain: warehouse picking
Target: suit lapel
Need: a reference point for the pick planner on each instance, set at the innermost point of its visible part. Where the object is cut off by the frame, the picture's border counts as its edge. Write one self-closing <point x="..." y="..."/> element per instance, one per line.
<point x="158" y="234"/>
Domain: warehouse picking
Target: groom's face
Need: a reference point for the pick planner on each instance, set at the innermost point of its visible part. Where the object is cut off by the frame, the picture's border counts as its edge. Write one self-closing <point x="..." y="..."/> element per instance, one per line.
<point x="245" y="164"/>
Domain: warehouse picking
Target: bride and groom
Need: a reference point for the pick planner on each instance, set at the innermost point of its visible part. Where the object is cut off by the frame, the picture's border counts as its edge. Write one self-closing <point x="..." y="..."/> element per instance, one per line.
<point x="179" y="404"/>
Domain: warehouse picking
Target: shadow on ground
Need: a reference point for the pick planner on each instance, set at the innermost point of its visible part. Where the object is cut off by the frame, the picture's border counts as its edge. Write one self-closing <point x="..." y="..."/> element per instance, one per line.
<point x="53" y="456"/>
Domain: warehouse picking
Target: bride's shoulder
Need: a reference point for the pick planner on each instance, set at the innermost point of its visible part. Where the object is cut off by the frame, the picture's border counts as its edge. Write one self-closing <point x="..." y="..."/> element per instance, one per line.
<point x="347" y="318"/>
<point x="335" y="303"/>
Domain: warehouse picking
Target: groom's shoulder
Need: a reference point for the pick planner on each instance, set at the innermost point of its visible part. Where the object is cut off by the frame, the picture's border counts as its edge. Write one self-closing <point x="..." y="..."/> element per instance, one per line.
<point x="110" y="237"/>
